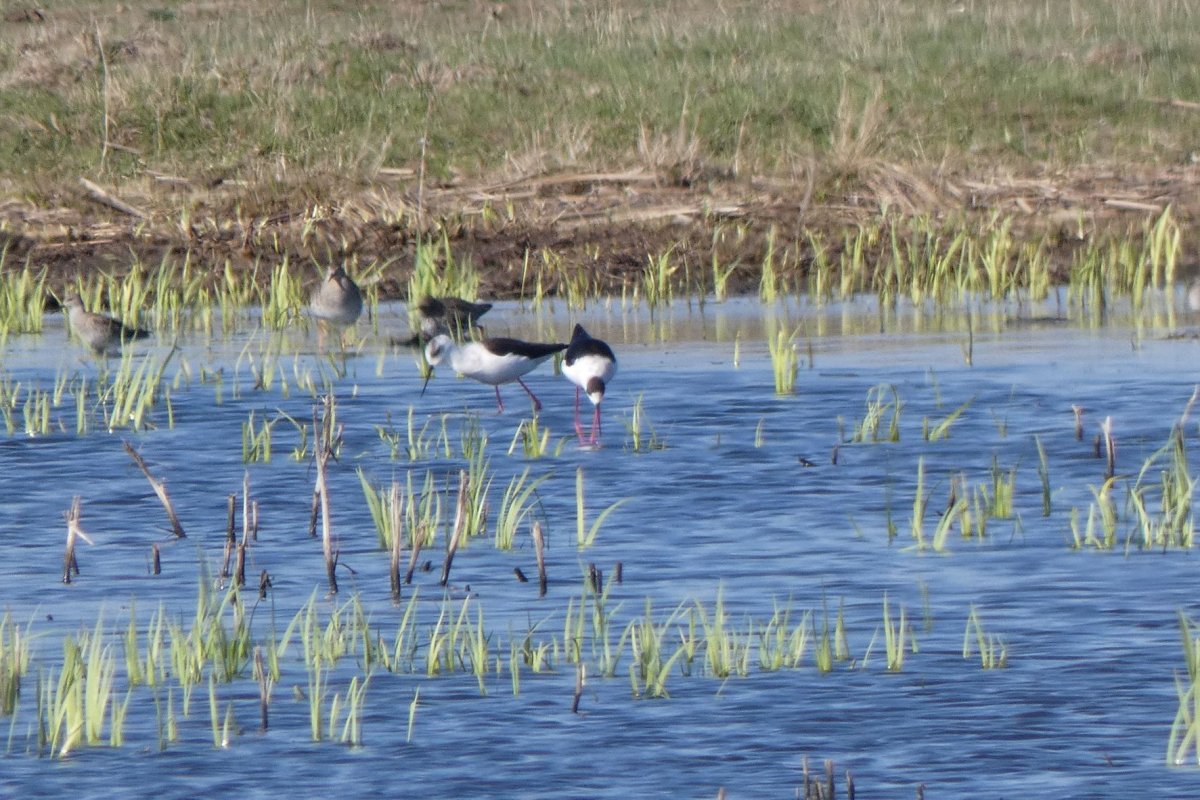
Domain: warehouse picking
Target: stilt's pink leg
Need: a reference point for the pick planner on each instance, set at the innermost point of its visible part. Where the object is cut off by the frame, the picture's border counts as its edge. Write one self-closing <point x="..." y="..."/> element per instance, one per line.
<point x="499" y="402"/>
<point x="596" y="425"/>
<point x="537" y="404"/>
<point x="578" y="424"/>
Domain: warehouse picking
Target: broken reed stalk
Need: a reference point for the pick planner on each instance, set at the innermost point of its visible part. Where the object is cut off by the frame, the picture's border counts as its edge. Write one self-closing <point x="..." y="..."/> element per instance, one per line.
<point x="460" y="522"/>
<point x="417" y="540"/>
<point x="539" y="549"/>
<point x="265" y="685"/>
<point x="1187" y="410"/>
<point x="397" y="539"/>
<point x="326" y="443"/>
<point x="264" y="583"/>
<point x="70" y="565"/>
<point x="105" y="198"/>
<point x="579" y="680"/>
<point x="155" y="560"/>
<point x="1110" y="448"/>
<point x="815" y="789"/>
<point x="229" y="540"/>
<point x="1078" y="412"/>
<point x="239" y="569"/>
<point x="160" y="489"/>
<point x="246" y="520"/>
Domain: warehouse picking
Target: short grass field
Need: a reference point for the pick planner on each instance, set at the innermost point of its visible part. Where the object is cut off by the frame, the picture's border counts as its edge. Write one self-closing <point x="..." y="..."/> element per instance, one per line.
<point x="217" y="120"/>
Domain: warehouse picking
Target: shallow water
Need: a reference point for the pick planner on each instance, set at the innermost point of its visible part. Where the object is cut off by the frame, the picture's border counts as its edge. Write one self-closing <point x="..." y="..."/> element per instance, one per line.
<point x="728" y="507"/>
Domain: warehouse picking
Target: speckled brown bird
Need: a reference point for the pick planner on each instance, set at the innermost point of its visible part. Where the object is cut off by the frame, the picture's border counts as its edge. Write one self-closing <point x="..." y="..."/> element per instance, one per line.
<point x="100" y="332"/>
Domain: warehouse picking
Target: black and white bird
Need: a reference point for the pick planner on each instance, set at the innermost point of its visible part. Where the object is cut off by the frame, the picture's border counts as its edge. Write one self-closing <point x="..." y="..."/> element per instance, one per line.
<point x="589" y="363"/>
<point x="100" y="332"/>
<point x="337" y="298"/>
<point x="494" y="361"/>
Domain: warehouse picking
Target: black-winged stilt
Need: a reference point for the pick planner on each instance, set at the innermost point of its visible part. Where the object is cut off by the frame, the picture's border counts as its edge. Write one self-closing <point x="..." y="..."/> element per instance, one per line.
<point x="493" y="361"/>
<point x="589" y="364"/>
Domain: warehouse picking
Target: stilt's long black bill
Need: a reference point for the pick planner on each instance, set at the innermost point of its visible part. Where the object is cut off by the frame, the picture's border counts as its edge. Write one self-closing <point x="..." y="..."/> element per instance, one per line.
<point x="426" y="383"/>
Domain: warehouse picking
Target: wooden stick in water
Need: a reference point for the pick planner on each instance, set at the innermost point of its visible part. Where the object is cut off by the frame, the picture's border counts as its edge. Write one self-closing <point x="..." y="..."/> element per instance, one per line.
<point x="70" y="565"/>
<point x="246" y="519"/>
<point x="1110" y="448"/>
<point x="460" y="522"/>
<point x="227" y="556"/>
<point x="579" y="679"/>
<point x="417" y="541"/>
<point x="397" y="539"/>
<point x="265" y="686"/>
<point x="239" y="570"/>
<point x="160" y="489"/>
<point x="539" y="549"/>
<point x="326" y="444"/>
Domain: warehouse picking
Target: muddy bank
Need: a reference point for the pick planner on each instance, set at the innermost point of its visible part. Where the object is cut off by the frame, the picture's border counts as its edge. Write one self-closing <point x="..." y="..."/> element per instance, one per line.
<point x="607" y="225"/>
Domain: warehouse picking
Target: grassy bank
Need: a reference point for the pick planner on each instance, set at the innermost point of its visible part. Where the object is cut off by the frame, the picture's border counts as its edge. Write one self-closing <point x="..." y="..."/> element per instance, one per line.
<point x="230" y="114"/>
<point x="298" y="94"/>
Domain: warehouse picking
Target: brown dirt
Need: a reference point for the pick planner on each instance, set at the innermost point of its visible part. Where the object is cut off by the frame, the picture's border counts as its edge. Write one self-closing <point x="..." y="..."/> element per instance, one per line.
<point x="609" y="224"/>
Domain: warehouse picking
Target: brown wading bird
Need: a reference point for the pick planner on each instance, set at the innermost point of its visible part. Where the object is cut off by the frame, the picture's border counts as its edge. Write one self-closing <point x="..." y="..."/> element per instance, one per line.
<point x="337" y="299"/>
<point x="449" y="315"/>
<point x="100" y="332"/>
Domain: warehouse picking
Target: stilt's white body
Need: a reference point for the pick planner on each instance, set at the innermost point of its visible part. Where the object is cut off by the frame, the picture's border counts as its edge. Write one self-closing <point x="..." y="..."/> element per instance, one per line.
<point x="583" y="369"/>
<point x="589" y="364"/>
<point x="492" y="361"/>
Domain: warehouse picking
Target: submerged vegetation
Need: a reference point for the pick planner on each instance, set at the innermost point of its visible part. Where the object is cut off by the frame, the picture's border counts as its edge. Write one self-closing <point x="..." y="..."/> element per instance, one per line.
<point x="116" y="674"/>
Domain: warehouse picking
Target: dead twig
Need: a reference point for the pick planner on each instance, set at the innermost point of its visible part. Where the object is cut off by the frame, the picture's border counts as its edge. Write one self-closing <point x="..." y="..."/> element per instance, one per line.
<point x="460" y="522"/>
<point x="579" y="681"/>
<point x="160" y="489"/>
<point x="327" y="442"/>
<point x="106" y="199"/>
<point x="1110" y="448"/>
<point x="397" y="539"/>
<point x="417" y="540"/>
<point x="539" y="549"/>
<point x="74" y="532"/>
